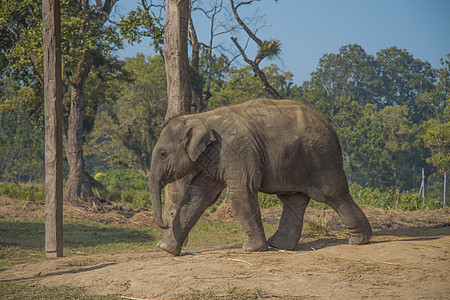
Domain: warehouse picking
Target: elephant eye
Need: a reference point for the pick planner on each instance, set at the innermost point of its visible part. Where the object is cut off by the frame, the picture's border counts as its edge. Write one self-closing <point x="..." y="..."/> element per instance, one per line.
<point x="163" y="155"/>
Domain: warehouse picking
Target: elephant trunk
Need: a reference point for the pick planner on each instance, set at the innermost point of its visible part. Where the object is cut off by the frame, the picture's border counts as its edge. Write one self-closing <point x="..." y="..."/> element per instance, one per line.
<point x="155" y="196"/>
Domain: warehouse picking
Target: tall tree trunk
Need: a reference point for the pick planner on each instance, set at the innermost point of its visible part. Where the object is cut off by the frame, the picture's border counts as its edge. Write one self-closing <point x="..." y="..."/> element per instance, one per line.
<point x="78" y="183"/>
<point x="176" y="58"/>
<point x="179" y="95"/>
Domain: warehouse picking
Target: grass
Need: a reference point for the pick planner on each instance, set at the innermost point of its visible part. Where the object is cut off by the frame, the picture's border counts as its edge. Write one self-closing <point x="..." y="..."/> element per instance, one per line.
<point x="24" y="291"/>
<point x="22" y="242"/>
<point x="232" y="293"/>
<point x="35" y="292"/>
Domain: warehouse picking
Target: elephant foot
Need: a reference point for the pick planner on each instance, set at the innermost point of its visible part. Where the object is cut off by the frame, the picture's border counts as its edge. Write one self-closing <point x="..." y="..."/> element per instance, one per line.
<point x="282" y="242"/>
<point x="171" y="248"/>
<point x="360" y="238"/>
<point x="255" y="246"/>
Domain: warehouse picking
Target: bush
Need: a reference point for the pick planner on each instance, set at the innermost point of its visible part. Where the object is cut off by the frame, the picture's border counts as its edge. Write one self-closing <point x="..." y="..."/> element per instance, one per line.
<point x="385" y="199"/>
<point x="122" y="179"/>
<point x="24" y="191"/>
<point x="127" y="186"/>
<point x="268" y="200"/>
<point x="393" y="199"/>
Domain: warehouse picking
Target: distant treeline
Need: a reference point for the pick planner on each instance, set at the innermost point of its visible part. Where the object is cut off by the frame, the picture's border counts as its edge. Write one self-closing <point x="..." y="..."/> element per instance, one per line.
<point x="391" y="112"/>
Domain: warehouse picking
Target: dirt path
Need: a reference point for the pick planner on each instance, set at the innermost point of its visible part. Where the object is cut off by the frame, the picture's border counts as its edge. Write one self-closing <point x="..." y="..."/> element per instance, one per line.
<point x="411" y="263"/>
<point x="407" y="259"/>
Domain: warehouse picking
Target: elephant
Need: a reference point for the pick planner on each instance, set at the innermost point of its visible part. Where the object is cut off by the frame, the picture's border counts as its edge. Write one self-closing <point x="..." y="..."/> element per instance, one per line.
<point x="277" y="147"/>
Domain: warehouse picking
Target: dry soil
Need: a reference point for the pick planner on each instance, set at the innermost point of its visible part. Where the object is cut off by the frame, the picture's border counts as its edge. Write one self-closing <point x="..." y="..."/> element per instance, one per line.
<point x="408" y="258"/>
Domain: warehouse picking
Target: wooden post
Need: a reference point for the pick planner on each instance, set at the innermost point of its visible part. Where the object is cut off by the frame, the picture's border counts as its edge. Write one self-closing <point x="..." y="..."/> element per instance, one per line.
<point x="445" y="186"/>
<point x="53" y="128"/>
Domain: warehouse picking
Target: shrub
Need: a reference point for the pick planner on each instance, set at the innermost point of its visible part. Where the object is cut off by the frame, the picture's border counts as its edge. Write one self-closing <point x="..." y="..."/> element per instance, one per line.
<point x="268" y="200"/>
<point x="392" y="199"/>
<point x="24" y="191"/>
<point x="122" y="179"/>
<point x="127" y="186"/>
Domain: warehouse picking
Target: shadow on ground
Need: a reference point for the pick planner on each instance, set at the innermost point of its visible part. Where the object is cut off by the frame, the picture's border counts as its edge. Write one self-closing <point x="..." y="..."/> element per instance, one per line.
<point x="30" y="234"/>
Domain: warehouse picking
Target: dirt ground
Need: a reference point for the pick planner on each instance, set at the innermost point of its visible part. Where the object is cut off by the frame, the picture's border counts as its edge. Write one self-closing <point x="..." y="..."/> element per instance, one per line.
<point x="408" y="258"/>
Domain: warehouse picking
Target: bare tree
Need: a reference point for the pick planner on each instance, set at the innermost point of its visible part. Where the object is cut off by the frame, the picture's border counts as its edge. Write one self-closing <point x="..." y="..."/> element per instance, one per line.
<point x="216" y="29"/>
<point x="267" y="49"/>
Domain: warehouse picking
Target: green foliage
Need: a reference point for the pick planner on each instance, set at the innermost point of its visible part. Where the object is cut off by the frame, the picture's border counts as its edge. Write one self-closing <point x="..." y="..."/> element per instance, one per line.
<point x="242" y="85"/>
<point x="127" y="126"/>
<point x="122" y="179"/>
<point x="318" y="226"/>
<point x="378" y="106"/>
<point x="25" y="191"/>
<point x="268" y="200"/>
<point x="269" y="49"/>
<point x="374" y="197"/>
<point x="437" y="139"/>
<point x="126" y="185"/>
<point x="21" y="143"/>
<point x="140" y="23"/>
<point x="392" y="199"/>
<point x="87" y="40"/>
<point x="402" y="78"/>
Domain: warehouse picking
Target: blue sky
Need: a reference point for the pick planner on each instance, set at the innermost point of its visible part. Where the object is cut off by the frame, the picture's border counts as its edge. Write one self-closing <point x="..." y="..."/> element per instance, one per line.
<point x="309" y="29"/>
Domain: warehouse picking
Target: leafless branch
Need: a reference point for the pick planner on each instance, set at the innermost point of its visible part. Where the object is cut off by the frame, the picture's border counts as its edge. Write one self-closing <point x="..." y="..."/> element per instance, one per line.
<point x="243" y="25"/>
<point x="267" y="86"/>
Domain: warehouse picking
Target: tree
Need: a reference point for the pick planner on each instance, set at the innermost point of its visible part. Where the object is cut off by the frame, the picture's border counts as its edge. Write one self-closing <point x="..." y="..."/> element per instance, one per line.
<point x="21" y="142"/>
<point x="402" y="79"/>
<point x="437" y="139"/>
<point x="347" y="76"/>
<point x="86" y="41"/>
<point x="377" y="106"/>
<point x="129" y="120"/>
<point x="240" y="85"/>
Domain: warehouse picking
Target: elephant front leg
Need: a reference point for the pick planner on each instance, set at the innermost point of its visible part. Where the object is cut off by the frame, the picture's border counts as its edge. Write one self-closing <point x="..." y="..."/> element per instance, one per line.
<point x="199" y="196"/>
<point x="291" y="222"/>
<point x="245" y="205"/>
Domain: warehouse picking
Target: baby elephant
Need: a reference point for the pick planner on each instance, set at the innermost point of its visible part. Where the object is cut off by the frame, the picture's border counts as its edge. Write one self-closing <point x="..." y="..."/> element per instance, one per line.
<point x="272" y="146"/>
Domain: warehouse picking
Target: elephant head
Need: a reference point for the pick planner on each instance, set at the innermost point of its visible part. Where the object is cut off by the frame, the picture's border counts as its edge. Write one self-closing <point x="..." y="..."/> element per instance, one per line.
<point x="181" y="143"/>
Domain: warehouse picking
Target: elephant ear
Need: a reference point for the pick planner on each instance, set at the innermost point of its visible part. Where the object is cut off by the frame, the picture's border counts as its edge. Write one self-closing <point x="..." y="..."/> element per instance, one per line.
<point x="197" y="137"/>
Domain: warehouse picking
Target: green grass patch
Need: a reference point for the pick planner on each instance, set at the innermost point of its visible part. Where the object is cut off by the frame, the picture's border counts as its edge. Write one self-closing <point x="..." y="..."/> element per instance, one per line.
<point x="28" y="291"/>
<point x="317" y="227"/>
<point x="22" y="240"/>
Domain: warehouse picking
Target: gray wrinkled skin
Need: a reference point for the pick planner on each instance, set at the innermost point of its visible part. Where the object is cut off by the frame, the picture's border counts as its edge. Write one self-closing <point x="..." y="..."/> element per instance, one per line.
<point x="273" y="146"/>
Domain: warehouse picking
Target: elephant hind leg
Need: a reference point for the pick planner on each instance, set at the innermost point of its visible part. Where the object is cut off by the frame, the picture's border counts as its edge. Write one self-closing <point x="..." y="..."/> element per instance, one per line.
<point x="354" y="219"/>
<point x="291" y="222"/>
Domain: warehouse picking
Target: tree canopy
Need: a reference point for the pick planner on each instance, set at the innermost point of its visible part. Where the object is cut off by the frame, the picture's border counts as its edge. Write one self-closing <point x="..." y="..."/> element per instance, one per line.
<point x="390" y="110"/>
